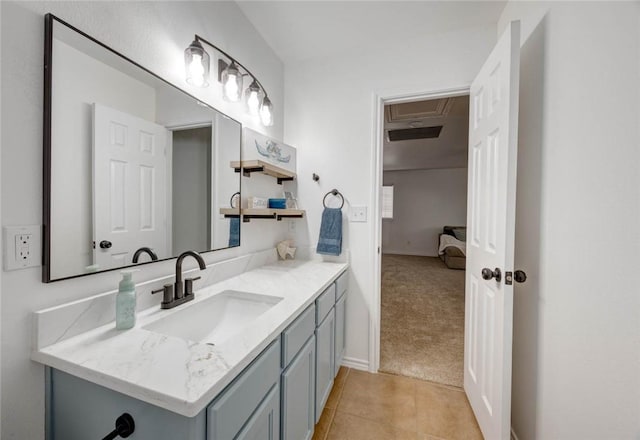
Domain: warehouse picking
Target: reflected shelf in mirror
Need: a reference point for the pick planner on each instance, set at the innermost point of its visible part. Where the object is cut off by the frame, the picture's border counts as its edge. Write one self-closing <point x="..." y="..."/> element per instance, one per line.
<point x="259" y="166"/>
<point x="266" y="213"/>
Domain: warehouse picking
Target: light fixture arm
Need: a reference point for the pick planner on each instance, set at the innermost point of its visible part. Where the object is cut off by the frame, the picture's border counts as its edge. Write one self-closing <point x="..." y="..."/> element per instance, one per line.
<point x="238" y="63"/>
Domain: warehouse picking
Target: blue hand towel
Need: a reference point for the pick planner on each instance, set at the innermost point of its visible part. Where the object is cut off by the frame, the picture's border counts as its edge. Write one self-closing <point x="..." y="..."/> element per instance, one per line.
<point x="330" y="241"/>
<point x="234" y="231"/>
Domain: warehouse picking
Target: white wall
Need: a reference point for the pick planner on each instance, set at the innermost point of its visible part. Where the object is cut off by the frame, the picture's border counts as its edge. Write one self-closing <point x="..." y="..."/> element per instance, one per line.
<point x="154" y="34"/>
<point x="330" y="119"/>
<point x="576" y="353"/>
<point x="423" y="202"/>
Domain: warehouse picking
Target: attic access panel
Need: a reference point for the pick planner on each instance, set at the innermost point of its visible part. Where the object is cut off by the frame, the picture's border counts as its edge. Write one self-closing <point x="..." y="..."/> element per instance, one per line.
<point x="431" y="108"/>
<point x="408" y="134"/>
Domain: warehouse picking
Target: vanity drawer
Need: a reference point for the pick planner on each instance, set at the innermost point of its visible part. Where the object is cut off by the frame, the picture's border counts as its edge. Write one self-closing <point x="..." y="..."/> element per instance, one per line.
<point x="325" y="303"/>
<point x="297" y="334"/>
<point x="235" y="405"/>
<point x="341" y="284"/>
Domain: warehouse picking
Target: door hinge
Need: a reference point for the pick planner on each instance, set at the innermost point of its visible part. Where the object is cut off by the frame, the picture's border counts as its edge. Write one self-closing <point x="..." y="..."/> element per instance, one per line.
<point x="378" y="249"/>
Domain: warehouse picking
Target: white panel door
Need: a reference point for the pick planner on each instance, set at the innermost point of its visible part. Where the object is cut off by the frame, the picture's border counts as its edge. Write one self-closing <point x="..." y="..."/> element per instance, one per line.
<point x="493" y="129"/>
<point x="129" y="187"/>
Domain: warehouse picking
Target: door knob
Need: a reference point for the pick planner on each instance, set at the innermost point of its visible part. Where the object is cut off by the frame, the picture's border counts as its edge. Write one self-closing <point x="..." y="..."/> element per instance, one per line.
<point x="487" y="274"/>
<point x="105" y="244"/>
<point x="520" y="276"/>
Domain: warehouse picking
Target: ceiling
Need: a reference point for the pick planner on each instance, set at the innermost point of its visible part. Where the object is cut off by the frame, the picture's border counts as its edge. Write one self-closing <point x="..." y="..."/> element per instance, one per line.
<point x="298" y="30"/>
<point x="448" y="150"/>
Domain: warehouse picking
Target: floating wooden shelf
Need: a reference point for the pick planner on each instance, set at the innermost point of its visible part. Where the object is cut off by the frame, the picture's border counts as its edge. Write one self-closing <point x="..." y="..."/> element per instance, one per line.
<point x="266" y="213"/>
<point x="230" y="212"/>
<point x="258" y="166"/>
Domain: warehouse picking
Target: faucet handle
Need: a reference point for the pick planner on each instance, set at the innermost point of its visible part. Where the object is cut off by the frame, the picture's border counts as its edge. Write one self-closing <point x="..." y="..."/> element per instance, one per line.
<point x="167" y="293"/>
<point x="188" y="285"/>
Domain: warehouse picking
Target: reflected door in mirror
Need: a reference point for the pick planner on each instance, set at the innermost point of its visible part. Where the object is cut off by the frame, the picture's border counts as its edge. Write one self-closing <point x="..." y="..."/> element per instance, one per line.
<point x="129" y="185"/>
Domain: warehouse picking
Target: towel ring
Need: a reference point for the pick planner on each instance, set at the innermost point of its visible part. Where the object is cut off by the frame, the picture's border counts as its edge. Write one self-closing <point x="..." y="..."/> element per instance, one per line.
<point x="232" y="197"/>
<point x="333" y="192"/>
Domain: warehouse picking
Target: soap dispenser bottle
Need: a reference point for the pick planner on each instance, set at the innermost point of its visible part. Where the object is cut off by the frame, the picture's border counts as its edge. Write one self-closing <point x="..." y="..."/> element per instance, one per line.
<point x="126" y="301"/>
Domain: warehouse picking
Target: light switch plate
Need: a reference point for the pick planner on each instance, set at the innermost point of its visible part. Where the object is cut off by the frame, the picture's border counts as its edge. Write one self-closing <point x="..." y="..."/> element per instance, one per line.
<point x="358" y="214"/>
<point x="22" y="247"/>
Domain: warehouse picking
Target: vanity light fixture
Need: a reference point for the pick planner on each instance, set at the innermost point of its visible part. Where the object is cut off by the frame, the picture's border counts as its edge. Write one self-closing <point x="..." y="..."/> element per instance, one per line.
<point x="253" y="98"/>
<point x="196" y="62"/>
<point x="266" y="112"/>
<point x="231" y="80"/>
<point x="231" y="75"/>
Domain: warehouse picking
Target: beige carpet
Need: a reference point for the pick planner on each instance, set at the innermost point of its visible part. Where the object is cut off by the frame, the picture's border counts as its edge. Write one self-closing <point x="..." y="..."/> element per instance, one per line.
<point x="422" y="328"/>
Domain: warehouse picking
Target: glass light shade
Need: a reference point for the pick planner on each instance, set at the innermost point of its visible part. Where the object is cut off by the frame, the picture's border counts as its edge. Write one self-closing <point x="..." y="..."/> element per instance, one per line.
<point x="231" y="79"/>
<point x="266" y="112"/>
<point x="196" y="64"/>
<point x="253" y="97"/>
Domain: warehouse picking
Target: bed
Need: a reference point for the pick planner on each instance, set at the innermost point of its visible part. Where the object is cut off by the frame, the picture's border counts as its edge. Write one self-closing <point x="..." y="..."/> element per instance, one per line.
<point x="452" y="246"/>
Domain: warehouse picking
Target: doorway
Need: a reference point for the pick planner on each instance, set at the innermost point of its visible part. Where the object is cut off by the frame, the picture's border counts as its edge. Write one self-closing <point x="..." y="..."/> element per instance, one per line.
<point x="424" y="177"/>
<point x="191" y="158"/>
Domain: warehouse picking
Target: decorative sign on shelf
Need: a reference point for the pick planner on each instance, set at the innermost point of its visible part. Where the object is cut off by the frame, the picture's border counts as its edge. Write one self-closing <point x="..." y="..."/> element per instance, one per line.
<point x="257" y="202"/>
<point x="256" y="146"/>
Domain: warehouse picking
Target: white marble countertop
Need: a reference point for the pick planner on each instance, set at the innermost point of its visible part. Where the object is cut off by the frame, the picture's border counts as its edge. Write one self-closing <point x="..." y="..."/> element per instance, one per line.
<point x="184" y="376"/>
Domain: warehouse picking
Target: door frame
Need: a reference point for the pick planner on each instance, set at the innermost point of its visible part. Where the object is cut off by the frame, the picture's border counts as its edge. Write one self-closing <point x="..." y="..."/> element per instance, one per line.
<point x="379" y="101"/>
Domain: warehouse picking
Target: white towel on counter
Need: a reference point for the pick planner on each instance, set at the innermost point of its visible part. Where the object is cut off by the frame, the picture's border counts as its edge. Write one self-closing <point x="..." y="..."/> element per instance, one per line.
<point x="451" y="241"/>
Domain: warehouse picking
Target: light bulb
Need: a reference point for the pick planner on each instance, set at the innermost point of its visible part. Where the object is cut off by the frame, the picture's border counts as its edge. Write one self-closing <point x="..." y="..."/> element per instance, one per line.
<point x="253" y="102"/>
<point x="252" y="96"/>
<point x="231" y="88"/>
<point x="231" y="79"/>
<point x="266" y="112"/>
<point x="196" y="71"/>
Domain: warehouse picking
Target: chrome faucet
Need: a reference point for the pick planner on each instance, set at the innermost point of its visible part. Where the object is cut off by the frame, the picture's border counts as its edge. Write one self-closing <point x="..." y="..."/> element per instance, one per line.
<point x="146" y="250"/>
<point x="179" y="293"/>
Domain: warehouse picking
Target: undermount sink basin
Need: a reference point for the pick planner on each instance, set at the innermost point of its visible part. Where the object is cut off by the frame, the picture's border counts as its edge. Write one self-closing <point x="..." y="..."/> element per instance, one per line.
<point x="215" y="319"/>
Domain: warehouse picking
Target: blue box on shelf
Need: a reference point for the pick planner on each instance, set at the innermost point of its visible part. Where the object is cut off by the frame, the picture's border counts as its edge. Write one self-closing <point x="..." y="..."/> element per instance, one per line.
<point x="278" y="203"/>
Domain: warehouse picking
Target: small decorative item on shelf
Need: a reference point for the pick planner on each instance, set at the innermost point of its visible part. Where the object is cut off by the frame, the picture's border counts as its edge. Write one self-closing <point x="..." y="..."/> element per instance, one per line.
<point x="284" y="249"/>
<point x="292" y="203"/>
<point x="278" y="203"/>
<point x="257" y="202"/>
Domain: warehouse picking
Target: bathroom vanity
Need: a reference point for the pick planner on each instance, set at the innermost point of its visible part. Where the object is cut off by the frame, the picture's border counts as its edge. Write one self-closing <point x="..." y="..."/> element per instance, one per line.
<point x="251" y="356"/>
<point x="261" y="369"/>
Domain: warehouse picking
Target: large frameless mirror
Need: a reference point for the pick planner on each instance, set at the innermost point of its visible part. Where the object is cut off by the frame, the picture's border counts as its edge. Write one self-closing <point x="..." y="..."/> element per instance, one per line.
<point x="135" y="169"/>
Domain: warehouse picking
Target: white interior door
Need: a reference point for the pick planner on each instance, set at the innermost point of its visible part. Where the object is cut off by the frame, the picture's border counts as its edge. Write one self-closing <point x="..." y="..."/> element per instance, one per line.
<point x="129" y="186"/>
<point x="493" y="130"/>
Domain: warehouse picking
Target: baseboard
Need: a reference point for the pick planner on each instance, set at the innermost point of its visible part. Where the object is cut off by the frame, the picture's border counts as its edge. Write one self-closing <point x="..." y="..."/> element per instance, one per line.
<point x="401" y="252"/>
<point x="357" y="364"/>
<point x="513" y="434"/>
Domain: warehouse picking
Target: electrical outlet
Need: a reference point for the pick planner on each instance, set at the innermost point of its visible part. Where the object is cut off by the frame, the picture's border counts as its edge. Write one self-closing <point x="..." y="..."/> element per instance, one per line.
<point x="292" y="226"/>
<point x="358" y="214"/>
<point x="21" y="247"/>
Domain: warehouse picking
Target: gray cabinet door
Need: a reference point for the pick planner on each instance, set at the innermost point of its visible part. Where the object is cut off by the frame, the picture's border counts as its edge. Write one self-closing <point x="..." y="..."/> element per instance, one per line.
<point x="298" y="394"/>
<point x="81" y="410"/>
<point x="340" y="325"/>
<point x="229" y="413"/>
<point x="264" y="424"/>
<point x="325" y="360"/>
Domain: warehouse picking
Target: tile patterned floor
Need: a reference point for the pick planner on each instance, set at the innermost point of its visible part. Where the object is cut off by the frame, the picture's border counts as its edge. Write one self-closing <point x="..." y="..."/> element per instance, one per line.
<point x="365" y="406"/>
